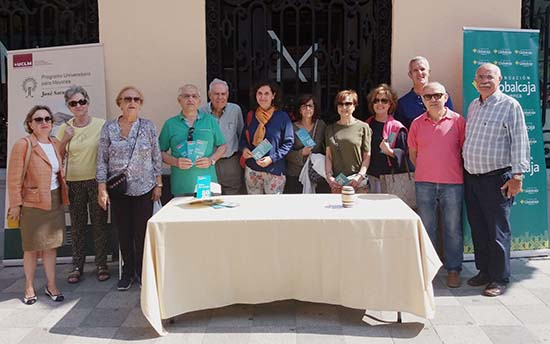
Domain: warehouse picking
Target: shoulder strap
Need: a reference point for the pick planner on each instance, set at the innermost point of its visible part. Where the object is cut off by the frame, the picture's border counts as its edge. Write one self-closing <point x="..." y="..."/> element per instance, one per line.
<point x="27" y="157"/>
<point x="248" y="121"/>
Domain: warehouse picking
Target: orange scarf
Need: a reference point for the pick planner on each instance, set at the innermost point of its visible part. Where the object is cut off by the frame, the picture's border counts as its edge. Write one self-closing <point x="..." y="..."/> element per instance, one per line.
<point x="263" y="116"/>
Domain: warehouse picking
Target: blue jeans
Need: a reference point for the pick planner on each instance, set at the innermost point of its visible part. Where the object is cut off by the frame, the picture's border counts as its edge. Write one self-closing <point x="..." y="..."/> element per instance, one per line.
<point x="448" y="197"/>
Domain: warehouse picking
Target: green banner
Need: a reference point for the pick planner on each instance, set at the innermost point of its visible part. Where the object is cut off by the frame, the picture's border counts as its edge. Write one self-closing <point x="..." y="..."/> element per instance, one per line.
<point x="516" y="53"/>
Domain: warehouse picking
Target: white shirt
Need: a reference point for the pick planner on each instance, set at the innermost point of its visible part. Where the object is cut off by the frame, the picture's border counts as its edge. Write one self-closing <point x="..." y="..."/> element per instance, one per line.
<point x="52" y="157"/>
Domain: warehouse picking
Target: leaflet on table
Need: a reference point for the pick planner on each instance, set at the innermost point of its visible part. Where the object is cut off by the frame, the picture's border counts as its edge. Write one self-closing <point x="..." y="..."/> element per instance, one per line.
<point x="203" y="187"/>
<point x="261" y="149"/>
<point x="192" y="150"/>
<point x="342" y="179"/>
<point x="304" y="137"/>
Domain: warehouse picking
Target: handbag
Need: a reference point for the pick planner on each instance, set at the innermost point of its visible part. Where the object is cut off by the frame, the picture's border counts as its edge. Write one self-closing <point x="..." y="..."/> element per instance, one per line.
<point x="118" y="184"/>
<point x="401" y="185"/>
<point x="10" y="223"/>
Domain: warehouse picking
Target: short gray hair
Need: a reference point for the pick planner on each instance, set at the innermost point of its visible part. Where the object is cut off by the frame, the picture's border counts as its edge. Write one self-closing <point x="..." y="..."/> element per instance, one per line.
<point x="180" y="90"/>
<point x="217" y="81"/>
<point x="419" y="58"/>
<point x="75" y="90"/>
<point x="435" y="84"/>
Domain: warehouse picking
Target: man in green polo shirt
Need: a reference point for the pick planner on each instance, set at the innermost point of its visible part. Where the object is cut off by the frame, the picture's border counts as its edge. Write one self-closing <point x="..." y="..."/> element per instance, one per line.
<point x="182" y="134"/>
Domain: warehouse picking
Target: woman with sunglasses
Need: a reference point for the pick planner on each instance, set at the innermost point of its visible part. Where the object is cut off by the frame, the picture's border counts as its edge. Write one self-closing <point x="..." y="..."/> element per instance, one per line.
<point x="266" y="174"/>
<point x="347" y="146"/>
<point x="128" y="144"/>
<point x="307" y="118"/>
<point x="389" y="137"/>
<point x="37" y="193"/>
<point x="79" y="142"/>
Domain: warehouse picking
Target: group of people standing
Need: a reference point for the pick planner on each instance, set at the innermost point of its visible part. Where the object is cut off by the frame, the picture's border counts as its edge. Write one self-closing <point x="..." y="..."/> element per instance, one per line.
<point x="480" y="159"/>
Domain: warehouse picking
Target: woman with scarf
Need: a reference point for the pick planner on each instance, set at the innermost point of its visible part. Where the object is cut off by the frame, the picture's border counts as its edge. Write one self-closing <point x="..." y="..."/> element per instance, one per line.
<point x="389" y="137"/>
<point x="272" y="129"/>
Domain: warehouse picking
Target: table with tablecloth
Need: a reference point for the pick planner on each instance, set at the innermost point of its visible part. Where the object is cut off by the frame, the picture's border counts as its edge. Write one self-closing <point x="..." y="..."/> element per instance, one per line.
<point x="375" y="255"/>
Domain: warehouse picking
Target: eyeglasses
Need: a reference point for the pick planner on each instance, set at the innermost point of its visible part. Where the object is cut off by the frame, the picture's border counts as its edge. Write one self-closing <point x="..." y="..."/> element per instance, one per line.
<point x="381" y="100"/>
<point x="435" y="96"/>
<point x="128" y="100"/>
<point x="74" y="103"/>
<point x="308" y="106"/>
<point x="190" y="134"/>
<point x="345" y="104"/>
<point x="42" y="119"/>
<point x="187" y="96"/>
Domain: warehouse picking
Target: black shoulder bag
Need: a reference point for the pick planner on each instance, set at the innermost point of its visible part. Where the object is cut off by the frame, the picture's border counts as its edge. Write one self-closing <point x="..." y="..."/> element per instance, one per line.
<point x="118" y="184"/>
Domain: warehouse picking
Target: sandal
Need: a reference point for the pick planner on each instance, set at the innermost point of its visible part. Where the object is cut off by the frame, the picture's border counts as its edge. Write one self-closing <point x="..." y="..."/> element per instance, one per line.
<point x="74" y="276"/>
<point x="31" y="300"/>
<point x="103" y="273"/>
<point x="55" y="297"/>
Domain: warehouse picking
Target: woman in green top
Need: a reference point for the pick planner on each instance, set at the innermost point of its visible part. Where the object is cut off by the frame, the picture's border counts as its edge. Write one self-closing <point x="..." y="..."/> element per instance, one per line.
<point x="347" y="146"/>
<point x="79" y="141"/>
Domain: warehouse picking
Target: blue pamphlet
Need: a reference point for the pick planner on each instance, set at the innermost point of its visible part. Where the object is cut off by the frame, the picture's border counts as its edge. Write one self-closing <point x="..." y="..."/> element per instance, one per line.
<point x="203" y="187"/>
<point x="196" y="149"/>
<point x="342" y="179"/>
<point x="304" y="137"/>
<point x="261" y="149"/>
<point x="391" y="138"/>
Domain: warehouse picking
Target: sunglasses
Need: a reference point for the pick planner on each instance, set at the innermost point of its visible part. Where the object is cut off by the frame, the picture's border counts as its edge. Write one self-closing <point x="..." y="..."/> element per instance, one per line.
<point x="42" y="119"/>
<point x="380" y="100"/>
<point x="190" y="134"/>
<point x="345" y="104"/>
<point x="74" y="103"/>
<point x="128" y="100"/>
<point x="435" y="96"/>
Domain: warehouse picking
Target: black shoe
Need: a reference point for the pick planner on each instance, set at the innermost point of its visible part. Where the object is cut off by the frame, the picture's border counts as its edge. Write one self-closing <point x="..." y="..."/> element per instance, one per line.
<point x="125" y="283"/>
<point x="31" y="300"/>
<point x="57" y="298"/>
<point x="494" y="289"/>
<point x="478" y="280"/>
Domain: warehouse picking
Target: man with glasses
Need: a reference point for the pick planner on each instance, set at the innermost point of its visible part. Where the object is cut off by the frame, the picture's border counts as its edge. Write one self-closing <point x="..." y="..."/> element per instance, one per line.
<point x="411" y="105"/>
<point x="496" y="154"/>
<point x="230" y="120"/>
<point x="435" y="144"/>
<point x="184" y="135"/>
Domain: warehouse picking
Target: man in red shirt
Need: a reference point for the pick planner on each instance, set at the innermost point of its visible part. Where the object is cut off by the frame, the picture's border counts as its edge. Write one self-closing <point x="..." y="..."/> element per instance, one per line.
<point x="435" y="146"/>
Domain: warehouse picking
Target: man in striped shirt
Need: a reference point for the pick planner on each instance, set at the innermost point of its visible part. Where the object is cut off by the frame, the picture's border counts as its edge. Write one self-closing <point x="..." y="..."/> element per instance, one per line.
<point x="496" y="154"/>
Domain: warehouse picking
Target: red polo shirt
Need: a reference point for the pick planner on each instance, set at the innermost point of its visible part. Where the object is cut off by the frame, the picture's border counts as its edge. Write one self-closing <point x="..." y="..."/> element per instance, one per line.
<point x="438" y="148"/>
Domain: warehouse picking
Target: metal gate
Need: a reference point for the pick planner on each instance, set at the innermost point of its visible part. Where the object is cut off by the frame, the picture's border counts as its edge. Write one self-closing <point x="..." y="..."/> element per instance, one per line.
<point x="535" y="14"/>
<point x="308" y="46"/>
<point x="28" y="24"/>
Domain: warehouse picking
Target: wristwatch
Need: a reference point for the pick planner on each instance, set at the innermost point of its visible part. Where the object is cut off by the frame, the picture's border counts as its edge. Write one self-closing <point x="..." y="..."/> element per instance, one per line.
<point x="158" y="185"/>
<point x="517" y="176"/>
<point x="213" y="162"/>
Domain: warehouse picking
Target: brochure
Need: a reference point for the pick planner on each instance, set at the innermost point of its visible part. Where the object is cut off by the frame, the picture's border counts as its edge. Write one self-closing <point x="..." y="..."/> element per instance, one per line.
<point x="196" y="149"/>
<point x="342" y="179"/>
<point x="305" y="138"/>
<point x="391" y="138"/>
<point x="203" y="187"/>
<point x="261" y="149"/>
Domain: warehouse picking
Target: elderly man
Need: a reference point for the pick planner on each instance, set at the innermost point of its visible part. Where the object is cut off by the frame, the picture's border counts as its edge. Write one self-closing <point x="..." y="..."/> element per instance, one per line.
<point x="181" y="133"/>
<point x="230" y="120"/>
<point x="435" y="146"/>
<point x="411" y="105"/>
<point x="496" y="154"/>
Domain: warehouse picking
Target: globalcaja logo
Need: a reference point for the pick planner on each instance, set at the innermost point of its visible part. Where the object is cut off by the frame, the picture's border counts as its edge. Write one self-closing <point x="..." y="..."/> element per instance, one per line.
<point x="529" y="113"/>
<point x="523" y="52"/>
<point x="530" y="127"/>
<point x="517" y="87"/>
<point x="524" y="63"/>
<point x="502" y="51"/>
<point x="504" y="63"/>
<point x="22" y="60"/>
<point x="532" y="141"/>
<point x="531" y="190"/>
<point x="529" y="201"/>
<point x="482" y="51"/>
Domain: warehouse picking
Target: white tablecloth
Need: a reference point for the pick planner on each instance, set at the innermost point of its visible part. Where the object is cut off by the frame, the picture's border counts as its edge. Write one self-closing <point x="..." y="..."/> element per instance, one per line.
<point x="374" y="256"/>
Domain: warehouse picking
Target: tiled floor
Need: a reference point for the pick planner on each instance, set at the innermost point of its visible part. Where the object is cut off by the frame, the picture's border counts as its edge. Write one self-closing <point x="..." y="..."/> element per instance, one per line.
<point x="95" y="312"/>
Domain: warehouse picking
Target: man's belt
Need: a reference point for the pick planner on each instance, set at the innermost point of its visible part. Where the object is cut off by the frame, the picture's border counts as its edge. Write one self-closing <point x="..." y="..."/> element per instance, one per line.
<point x="491" y="173"/>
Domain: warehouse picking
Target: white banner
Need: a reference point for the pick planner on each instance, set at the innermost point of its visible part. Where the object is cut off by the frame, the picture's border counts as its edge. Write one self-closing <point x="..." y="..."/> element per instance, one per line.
<point x="41" y="76"/>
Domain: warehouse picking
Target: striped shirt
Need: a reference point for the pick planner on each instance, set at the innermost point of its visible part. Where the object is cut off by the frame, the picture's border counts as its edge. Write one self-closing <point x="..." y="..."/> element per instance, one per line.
<point x="496" y="136"/>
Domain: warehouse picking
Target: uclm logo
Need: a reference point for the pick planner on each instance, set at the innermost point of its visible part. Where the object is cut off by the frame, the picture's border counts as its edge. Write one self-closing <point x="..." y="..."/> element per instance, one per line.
<point x="22" y="60"/>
